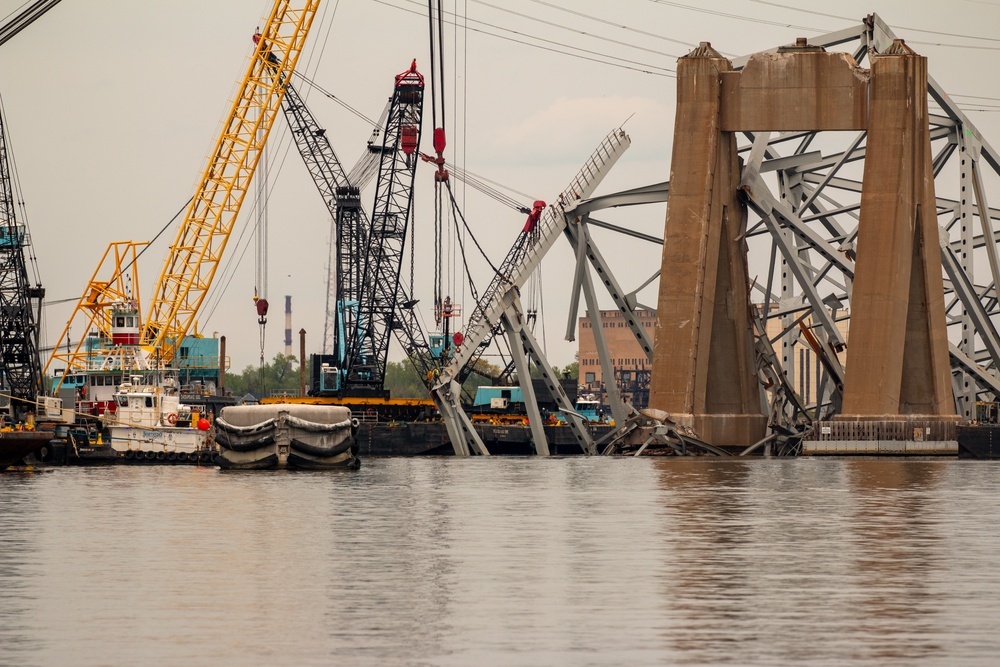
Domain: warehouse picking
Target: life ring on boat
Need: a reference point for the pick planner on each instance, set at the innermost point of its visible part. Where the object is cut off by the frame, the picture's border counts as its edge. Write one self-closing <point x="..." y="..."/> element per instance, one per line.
<point x="172" y="418"/>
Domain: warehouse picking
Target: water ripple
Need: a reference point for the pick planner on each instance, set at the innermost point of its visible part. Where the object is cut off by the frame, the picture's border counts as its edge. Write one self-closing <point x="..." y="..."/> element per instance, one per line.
<point x="505" y="561"/>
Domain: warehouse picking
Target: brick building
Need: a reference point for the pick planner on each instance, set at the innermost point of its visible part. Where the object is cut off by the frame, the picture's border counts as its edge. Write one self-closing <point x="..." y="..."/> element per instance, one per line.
<point x="629" y="361"/>
<point x="806" y="367"/>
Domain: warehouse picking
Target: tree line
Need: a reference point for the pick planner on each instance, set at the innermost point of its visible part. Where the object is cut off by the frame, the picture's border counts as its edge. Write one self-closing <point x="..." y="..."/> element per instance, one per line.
<point x="281" y="375"/>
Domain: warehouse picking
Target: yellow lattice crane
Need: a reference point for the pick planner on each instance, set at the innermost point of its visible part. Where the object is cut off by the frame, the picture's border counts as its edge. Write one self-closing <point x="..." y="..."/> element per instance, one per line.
<point x="196" y="252"/>
<point x="114" y="285"/>
<point x="201" y="239"/>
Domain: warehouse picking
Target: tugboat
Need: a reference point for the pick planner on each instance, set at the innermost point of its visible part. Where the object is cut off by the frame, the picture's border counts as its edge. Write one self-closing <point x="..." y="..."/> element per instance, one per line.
<point x="150" y="423"/>
<point x="127" y="408"/>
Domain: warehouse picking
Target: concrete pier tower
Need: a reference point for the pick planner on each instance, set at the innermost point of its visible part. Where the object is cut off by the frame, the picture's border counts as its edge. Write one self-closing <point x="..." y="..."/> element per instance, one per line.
<point x="898" y="369"/>
<point x="703" y="365"/>
<point x="898" y="354"/>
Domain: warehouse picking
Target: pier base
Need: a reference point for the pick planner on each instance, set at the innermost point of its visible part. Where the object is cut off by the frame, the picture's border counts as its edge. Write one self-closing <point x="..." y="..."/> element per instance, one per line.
<point x="731" y="432"/>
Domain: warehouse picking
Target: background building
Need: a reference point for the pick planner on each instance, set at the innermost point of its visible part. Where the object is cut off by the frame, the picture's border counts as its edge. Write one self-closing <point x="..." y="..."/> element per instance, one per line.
<point x="627" y="357"/>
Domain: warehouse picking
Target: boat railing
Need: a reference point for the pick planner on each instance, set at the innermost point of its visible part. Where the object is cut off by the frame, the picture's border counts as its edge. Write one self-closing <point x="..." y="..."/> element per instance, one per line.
<point x="369" y="416"/>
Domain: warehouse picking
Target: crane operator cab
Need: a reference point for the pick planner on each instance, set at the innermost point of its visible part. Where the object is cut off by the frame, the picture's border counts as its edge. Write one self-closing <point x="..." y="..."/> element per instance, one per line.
<point x="12" y="236"/>
<point x="442" y="343"/>
<point x="329" y="378"/>
<point x="124" y="323"/>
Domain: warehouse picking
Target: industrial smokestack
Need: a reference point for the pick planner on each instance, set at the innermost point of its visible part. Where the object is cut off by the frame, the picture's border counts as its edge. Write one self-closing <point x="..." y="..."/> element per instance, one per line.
<point x="302" y="362"/>
<point x="288" y="325"/>
<point x="222" y="366"/>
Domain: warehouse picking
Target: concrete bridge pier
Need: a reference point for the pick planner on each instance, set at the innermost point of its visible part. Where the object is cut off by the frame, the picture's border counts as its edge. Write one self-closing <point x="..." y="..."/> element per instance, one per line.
<point x="703" y="365"/>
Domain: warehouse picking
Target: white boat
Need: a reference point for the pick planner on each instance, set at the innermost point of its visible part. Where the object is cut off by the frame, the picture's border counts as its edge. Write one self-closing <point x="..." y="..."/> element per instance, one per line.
<point x="150" y="422"/>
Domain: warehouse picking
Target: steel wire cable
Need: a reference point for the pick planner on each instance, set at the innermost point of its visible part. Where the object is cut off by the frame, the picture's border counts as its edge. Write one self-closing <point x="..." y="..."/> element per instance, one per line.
<point x="537" y="42"/>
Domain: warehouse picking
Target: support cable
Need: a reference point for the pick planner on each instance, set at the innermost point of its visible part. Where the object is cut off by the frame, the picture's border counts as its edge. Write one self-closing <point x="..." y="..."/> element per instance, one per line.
<point x="461" y="217"/>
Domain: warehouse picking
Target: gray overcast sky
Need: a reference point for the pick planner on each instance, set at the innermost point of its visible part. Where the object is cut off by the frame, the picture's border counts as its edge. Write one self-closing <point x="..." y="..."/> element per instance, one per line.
<point x="114" y="105"/>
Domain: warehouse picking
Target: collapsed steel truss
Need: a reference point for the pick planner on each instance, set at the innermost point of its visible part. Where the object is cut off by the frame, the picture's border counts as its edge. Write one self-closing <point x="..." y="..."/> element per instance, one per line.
<point x="803" y="190"/>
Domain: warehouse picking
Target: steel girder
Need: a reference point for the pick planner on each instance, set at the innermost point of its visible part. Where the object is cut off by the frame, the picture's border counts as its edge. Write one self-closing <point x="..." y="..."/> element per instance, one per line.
<point x="488" y="317"/>
<point x="815" y="195"/>
<point x="805" y="189"/>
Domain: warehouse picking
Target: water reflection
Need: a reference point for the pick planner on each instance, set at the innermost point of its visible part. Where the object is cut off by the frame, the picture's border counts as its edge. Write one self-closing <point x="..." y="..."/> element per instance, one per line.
<point x="18" y="557"/>
<point x="504" y="561"/>
<point x="816" y="561"/>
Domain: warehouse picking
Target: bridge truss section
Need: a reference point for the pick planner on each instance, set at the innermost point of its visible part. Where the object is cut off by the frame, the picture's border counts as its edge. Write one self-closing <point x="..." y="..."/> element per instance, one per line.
<point x="803" y="193"/>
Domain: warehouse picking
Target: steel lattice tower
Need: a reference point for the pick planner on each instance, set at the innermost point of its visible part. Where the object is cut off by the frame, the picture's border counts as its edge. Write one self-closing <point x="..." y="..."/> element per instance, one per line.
<point x="19" y="362"/>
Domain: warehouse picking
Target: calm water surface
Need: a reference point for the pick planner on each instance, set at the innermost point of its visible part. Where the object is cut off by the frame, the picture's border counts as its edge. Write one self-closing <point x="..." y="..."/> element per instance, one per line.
<point x="505" y="561"/>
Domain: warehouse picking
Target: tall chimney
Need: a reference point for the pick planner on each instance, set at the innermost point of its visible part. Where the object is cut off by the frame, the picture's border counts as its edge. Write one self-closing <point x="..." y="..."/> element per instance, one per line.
<point x="288" y="325"/>
<point x="222" y="366"/>
<point x="302" y="362"/>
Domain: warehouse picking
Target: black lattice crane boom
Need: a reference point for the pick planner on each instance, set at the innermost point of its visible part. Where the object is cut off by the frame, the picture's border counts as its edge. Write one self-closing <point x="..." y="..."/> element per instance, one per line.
<point x="347" y="308"/>
<point x="375" y="316"/>
<point x="20" y="301"/>
<point x="342" y="199"/>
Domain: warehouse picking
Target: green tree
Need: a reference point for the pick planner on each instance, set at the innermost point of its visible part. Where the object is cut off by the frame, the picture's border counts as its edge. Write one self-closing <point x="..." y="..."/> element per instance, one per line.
<point x="280" y="374"/>
<point x="402" y="380"/>
<point x="573" y="369"/>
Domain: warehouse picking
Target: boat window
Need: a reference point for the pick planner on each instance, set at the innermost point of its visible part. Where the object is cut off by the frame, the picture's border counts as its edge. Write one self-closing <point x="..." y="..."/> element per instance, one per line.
<point x="120" y="321"/>
<point x="149" y="401"/>
<point x="122" y="401"/>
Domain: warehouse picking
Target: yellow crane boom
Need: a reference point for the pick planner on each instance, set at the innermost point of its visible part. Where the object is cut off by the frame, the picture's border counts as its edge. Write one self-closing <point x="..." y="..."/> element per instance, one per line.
<point x="195" y="253"/>
<point x="115" y="281"/>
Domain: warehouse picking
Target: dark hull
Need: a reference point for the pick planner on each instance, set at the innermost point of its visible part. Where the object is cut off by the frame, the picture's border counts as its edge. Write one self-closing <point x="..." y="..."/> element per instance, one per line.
<point x="431" y="439"/>
<point x="15" y="445"/>
<point x="979" y="442"/>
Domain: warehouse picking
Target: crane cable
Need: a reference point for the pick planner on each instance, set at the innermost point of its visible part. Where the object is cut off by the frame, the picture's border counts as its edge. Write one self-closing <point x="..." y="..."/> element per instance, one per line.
<point x="458" y="213"/>
<point x="260" y="299"/>
<point x="441" y="175"/>
<point x="483" y="185"/>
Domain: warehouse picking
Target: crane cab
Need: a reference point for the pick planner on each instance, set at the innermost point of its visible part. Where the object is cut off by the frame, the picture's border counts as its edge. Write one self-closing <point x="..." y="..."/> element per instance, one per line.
<point x="442" y="343"/>
<point x="124" y="324"/>
<point x="329" y="378"/>
<point x="436" y="343"/>
<point x="12" y="236"/>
